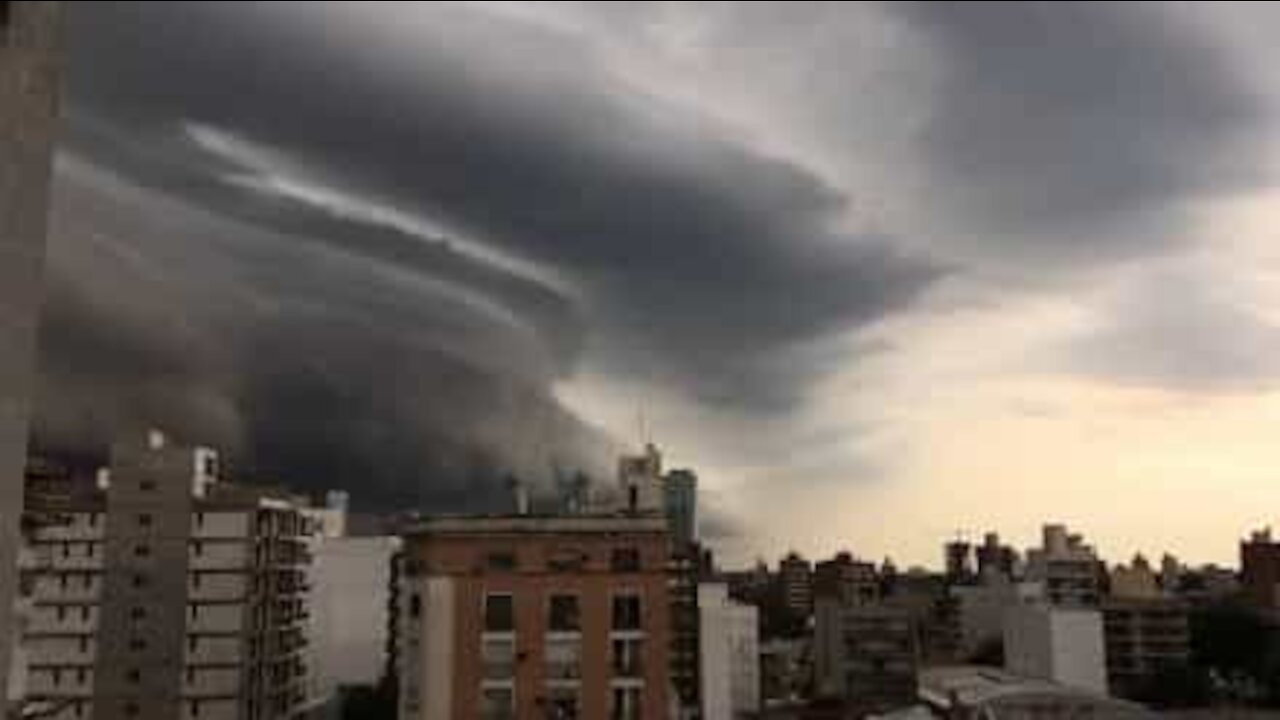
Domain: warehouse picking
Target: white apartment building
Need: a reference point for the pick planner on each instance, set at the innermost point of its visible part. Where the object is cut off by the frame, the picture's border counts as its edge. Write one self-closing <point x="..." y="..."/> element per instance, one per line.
<point x="1063" y="645"/>
<point x="729" y="654"/>
<point x="167" y="595"/>
<point x="1069" y="568"/>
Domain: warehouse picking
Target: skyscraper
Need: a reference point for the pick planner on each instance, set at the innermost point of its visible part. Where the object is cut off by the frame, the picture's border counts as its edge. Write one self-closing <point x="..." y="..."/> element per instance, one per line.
<point x="29" y="64"/>
<point x="680" y="500"/>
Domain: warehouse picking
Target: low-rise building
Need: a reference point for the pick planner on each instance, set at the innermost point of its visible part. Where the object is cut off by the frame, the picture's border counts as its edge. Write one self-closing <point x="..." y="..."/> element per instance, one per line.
<point x="984" y="693"/>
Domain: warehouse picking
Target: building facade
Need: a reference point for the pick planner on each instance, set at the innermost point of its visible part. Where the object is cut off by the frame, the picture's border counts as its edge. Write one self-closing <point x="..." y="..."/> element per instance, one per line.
<point x="795" y="578"/>
<point x="866" y="655"/>
<point x="30" y="61"/>
<point x="1260" y="570"/>
<point x="1143" y="637"/>
<point x="168" y="594"/>
<point x="1059" y="644"/>
<point x="680" y="500"/>
<point x="850" y="581"/>
<point x="729" y="655"/>
<point x="995" y="559"/>
<point x="530" y="617"/>
<point x="1069" y="569"/>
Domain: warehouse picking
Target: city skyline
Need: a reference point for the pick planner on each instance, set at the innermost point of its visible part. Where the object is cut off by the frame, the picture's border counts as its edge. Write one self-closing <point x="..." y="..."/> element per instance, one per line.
<point x="876" y="272"/>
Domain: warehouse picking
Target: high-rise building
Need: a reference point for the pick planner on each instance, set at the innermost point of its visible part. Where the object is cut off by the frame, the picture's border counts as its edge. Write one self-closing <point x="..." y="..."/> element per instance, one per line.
<point x="680" y="498"/>
<point x="1144" y="636"/>
<point x="522" y="616"/>
<point x="30" y="61"/>
<point x="867" y="655"/>
<point x="1069" y="569"/>
<point x="1260" y="570"/>
<point x="995" y="558"/>
<point x="348" y="592"/>
<point x="959" y="559"/>
<point x="729" y="653"/>
<point x="1060" y="644"/>
<point x="851" y="581"/>
<point x="795" y="578"/>
<point x="1135" y="581"/>
<point x="168" y="594"/>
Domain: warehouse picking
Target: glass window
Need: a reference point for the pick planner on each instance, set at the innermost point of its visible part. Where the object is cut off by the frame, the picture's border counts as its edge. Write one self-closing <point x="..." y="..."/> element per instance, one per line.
<point x="144" y="520"/>
<point x="498" y="658"/>
<point x="625" y="560"/>
<point x="626" y="612"/>
<point x="563" y="658"/>
<point x="627" y="657"/>
<point x="502" y="561"/>
<point x="142" y="550"/>
<point x="564" y="614"/>
<point x="626" y="704"/>
<point x="562" y="703"/>
<point x="497" y="703"/>
<point x="499" y="613"/>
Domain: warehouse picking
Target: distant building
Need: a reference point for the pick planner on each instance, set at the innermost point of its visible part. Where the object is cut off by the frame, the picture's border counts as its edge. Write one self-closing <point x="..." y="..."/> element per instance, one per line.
<point x="1207" y="584"/>
<point x="1170" y="573"/>
<point x="729" y="655"/>
<point x="534" y="616"/>
<point x="849" y="581"/>
<point x="170" y="594"/>
<point x="1060" y="644"/>
<point x="1260" y="570"/>
<point x="983" y="693"/>
<point x="685" y="569"/>
<point x="867" y="655"/>
<point x="959" y="561"/>
<point x="348" y="595"/>
<point x="680" y="499"/>
<point x="1144" y="635"/>
<point x="995" y="559"/>
<point x="30" y="64"/>
<point x="982" y="610"/>
<point x="640" y="481"/>
<point x="795" y="578"/>
<point x="1069" y="569"/>
<point x="786" y="670"/>
<point x="1136" y="581"/>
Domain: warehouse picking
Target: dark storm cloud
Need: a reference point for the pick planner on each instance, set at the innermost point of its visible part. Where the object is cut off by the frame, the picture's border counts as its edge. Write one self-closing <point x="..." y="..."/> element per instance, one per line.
<point x="1078" y="129"/>
<point x="699" y="256"/>
<point x="318" y="302"/>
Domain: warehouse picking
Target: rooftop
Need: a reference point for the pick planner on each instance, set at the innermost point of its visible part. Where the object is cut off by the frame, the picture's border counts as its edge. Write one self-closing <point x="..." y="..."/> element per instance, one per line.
<point x="974" y="686"/>
<point x="535" y="524"/>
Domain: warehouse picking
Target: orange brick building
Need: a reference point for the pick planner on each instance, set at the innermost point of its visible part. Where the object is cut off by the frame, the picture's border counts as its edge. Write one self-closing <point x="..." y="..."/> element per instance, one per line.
<point x="534" y="617"/>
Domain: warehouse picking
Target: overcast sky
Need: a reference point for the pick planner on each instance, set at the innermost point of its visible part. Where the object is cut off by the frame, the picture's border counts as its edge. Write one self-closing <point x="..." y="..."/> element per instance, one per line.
<point x="879" y="272"/>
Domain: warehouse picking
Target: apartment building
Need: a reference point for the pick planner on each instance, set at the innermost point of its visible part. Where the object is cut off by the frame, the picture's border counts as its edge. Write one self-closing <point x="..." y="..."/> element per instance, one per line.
<point x="868" y="655"/>
<point x="524" y="616"/>
<point x="1069" y="569"/>
<point x="166" y="593"/>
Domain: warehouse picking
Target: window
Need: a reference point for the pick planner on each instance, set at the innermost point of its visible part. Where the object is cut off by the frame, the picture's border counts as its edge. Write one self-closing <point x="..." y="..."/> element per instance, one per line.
<point x="197" y="548"/>
<point x="84" y="613"/>
<point x="195" y="611"/>
<point x="564" y="615"/>
<point x="195" y="580"/>
<point x="138" y="613"/>
<point x="84" y="644"/>
<point x="62" y="581"/>
<point x="625" y="560"/>
<point x="66" y="549"/>
<point x="93" y="520"/>
<point x="497" y="703"/>
<point x="195" y="708"/>
<point x="626" y="704"/>
<point x="147" y="485"/>
<point x="563" y="703"/>
<point x="86" y="580"/>
<point x="191" y="675"/>
<point x="81" y="676"/>
<point x="499" y="613"/>
<point x="62" y="612"/>
<point x="134" y="676"/>
<point x="144" y="520"/>
<point x="89" y="549"/>
<point x="131" y="709"/>
<point x="142" y="550"/>
<point x="137" y="644"/>
<point x="193" y="643"/>
<point x="415" y="606"/>
<point x="199" y="520"/>
<point x="139" y="580"/>
<point x="563" y="658"/>
<point x="502" y="561"/>
<point x="498" y="659"/>
<point x="626" y="612"/>
<point x="57" y="676"/>
<point x="626" y="657"/>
